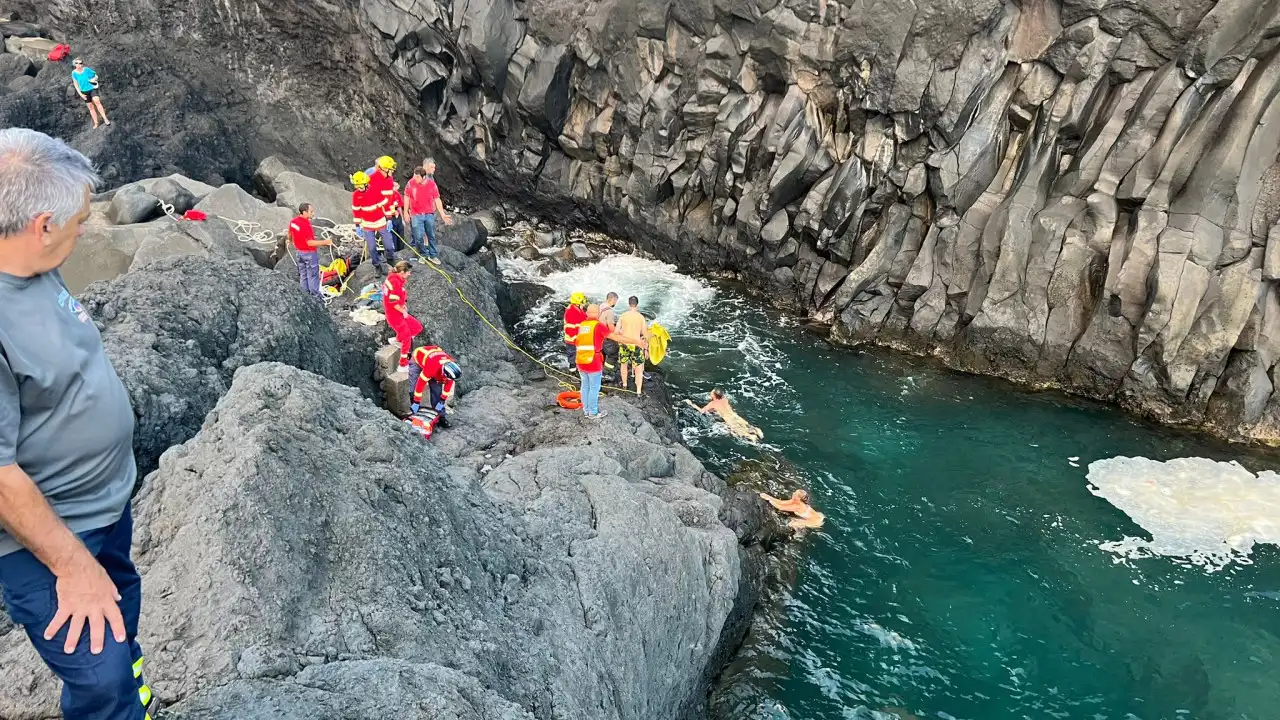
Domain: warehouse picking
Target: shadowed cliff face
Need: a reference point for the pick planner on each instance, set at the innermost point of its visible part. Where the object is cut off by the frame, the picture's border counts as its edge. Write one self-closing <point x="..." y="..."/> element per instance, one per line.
<point x="1075" y="193"/>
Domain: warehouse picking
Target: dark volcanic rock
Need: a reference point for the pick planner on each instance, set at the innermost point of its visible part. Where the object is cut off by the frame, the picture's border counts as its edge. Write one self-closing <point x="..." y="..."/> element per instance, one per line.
<point x="14" y="66"/>
<point x="1043" y="191"/>
<point x="132" y="205"/>
<point x="516" y="299"/>
<point x="177" y="331"/>
<point x="526" y="564"/>
<point x="466" y="235"/>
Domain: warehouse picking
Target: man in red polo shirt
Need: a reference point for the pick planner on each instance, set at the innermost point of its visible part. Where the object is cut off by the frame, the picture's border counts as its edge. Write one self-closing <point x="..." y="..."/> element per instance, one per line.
<point x="424" y="207"/>
<point x="304" y="240"/>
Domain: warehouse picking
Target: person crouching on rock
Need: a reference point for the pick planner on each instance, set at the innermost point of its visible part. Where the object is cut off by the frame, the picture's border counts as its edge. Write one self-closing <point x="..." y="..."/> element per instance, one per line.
<point x="67" y="469"/>
<point x="370" y="220"/>
<point x="395" y="297"/>
<point x="436" y="370"/>
<point x="590" y="357"/>
<point x="798" y="505"/>
<point x="304" y="240"/>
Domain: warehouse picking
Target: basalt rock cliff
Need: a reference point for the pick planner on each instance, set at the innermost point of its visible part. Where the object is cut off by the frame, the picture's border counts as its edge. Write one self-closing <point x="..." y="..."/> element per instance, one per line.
<point x="1072" y="193"/>
<point x="305" y="555"/>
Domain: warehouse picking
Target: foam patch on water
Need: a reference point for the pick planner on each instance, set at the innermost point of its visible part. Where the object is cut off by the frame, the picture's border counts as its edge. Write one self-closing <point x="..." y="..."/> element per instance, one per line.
<point x="1199" y="511"/>
<point x="665" y="295"/>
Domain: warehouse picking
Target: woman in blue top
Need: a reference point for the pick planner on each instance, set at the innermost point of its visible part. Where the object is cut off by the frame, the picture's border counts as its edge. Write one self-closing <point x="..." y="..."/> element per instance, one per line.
<point x="86" y="82"/>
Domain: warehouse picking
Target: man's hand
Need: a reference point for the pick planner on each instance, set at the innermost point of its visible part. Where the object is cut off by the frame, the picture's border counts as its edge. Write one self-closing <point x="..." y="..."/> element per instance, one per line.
<point x="446" y="218"/>
<point x="86" y="594"/>
<point x="414" y="408"/>
<point x="440" y="406"/>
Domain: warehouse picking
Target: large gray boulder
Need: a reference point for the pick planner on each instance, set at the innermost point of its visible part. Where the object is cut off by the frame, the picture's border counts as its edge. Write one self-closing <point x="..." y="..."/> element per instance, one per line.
<point x="232" y="203"/>
<point x="466" y="235"/>
<point x="170" y="191"/>
<point x="131" y="204"/>
<point x="178" y="329"/>
<point x="35" y="49"/>
<point x="104" y="252"/>
<point x="589" y="576"/>
<point x="160" y="188"/>
<point x="330" y="202"/>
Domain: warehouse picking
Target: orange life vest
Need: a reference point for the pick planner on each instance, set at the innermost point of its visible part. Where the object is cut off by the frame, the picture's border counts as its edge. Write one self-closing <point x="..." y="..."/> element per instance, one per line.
<point x="586" y="342"/>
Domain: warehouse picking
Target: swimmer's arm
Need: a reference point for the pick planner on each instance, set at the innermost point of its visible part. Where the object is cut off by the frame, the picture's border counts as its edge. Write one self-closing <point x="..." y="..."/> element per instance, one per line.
<point x="780" y="504"/>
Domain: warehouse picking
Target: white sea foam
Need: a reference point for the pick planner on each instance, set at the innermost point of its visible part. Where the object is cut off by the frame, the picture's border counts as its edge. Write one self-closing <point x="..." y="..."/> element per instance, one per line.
<point x="1199" y="511"/>
<point x="666" y="295"/>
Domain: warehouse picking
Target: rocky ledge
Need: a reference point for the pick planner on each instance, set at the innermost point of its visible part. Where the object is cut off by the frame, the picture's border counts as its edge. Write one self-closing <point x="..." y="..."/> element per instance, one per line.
<point x="306" y="555"/>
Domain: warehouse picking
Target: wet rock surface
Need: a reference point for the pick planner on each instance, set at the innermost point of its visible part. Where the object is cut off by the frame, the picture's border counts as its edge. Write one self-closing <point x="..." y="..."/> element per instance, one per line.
<point x="1063" y="193"/>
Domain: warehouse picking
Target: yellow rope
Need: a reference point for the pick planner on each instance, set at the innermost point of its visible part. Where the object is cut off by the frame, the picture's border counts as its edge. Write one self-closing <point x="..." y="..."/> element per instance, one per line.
<point x="244" y="232"/>
<point x="564" y="378"/>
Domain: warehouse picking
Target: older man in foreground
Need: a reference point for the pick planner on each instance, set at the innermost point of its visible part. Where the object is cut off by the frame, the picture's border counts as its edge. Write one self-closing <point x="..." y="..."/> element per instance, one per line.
<point x="66" y="445"/>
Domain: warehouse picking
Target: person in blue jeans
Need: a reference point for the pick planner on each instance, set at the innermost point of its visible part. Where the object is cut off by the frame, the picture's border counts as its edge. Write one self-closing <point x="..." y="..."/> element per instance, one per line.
<point x="590" y="357"/>
<point x="423" y="200"/>
<point x="66" y="446"/>
<point x="303" y="235"/>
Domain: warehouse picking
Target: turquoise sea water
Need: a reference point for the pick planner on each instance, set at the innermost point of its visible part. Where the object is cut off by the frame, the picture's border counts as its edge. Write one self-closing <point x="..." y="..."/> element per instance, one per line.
<point x="959" y="574"/>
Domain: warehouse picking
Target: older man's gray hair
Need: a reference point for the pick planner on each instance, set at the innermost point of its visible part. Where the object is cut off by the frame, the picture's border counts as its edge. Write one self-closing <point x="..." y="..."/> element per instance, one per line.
<point x="428" y="161"/>
<point x="40" y="174"/>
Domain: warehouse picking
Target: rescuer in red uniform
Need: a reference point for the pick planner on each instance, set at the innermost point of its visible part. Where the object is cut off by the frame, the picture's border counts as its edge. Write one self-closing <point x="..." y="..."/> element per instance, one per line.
<point x="394" y="305"/>
<point x="436" y="370"/>
<point x="573" y="317"/>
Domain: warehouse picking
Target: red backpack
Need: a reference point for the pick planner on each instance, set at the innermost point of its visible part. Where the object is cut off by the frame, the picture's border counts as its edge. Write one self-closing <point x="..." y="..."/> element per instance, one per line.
<point x="59" y="52"/>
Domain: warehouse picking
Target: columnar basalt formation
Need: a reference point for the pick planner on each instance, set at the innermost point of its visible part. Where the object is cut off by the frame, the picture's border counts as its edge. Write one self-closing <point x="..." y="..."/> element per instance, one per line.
<point x="1073" y="193"/>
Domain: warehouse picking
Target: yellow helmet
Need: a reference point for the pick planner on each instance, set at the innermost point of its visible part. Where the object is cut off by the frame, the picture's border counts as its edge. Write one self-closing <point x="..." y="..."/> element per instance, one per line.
<point x="359" y="179"/>
<point x="578" y="299"/>
<point x="386" y="163"/>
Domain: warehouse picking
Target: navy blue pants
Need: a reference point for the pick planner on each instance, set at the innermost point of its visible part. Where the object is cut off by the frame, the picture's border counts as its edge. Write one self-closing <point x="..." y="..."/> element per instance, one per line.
<point x="107" y="686"/>
<point x="435" y="388"/>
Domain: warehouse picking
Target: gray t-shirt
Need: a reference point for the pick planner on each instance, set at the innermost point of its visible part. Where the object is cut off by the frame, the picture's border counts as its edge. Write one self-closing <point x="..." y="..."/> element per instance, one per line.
<point x="65" y="417"/>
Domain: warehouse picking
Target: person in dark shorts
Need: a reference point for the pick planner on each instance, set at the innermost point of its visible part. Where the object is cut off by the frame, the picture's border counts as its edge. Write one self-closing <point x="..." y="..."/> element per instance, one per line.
<point x="86" y="82"/>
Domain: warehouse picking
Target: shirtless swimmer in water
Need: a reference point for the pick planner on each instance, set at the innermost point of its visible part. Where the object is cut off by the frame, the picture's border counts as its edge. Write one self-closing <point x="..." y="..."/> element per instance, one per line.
<point x="737" y="425"/>
<point x="806" y="517"/>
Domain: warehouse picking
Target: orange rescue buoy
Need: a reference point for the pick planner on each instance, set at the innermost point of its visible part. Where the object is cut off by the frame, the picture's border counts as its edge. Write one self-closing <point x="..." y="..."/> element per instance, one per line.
<point x="570" y="400"/>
